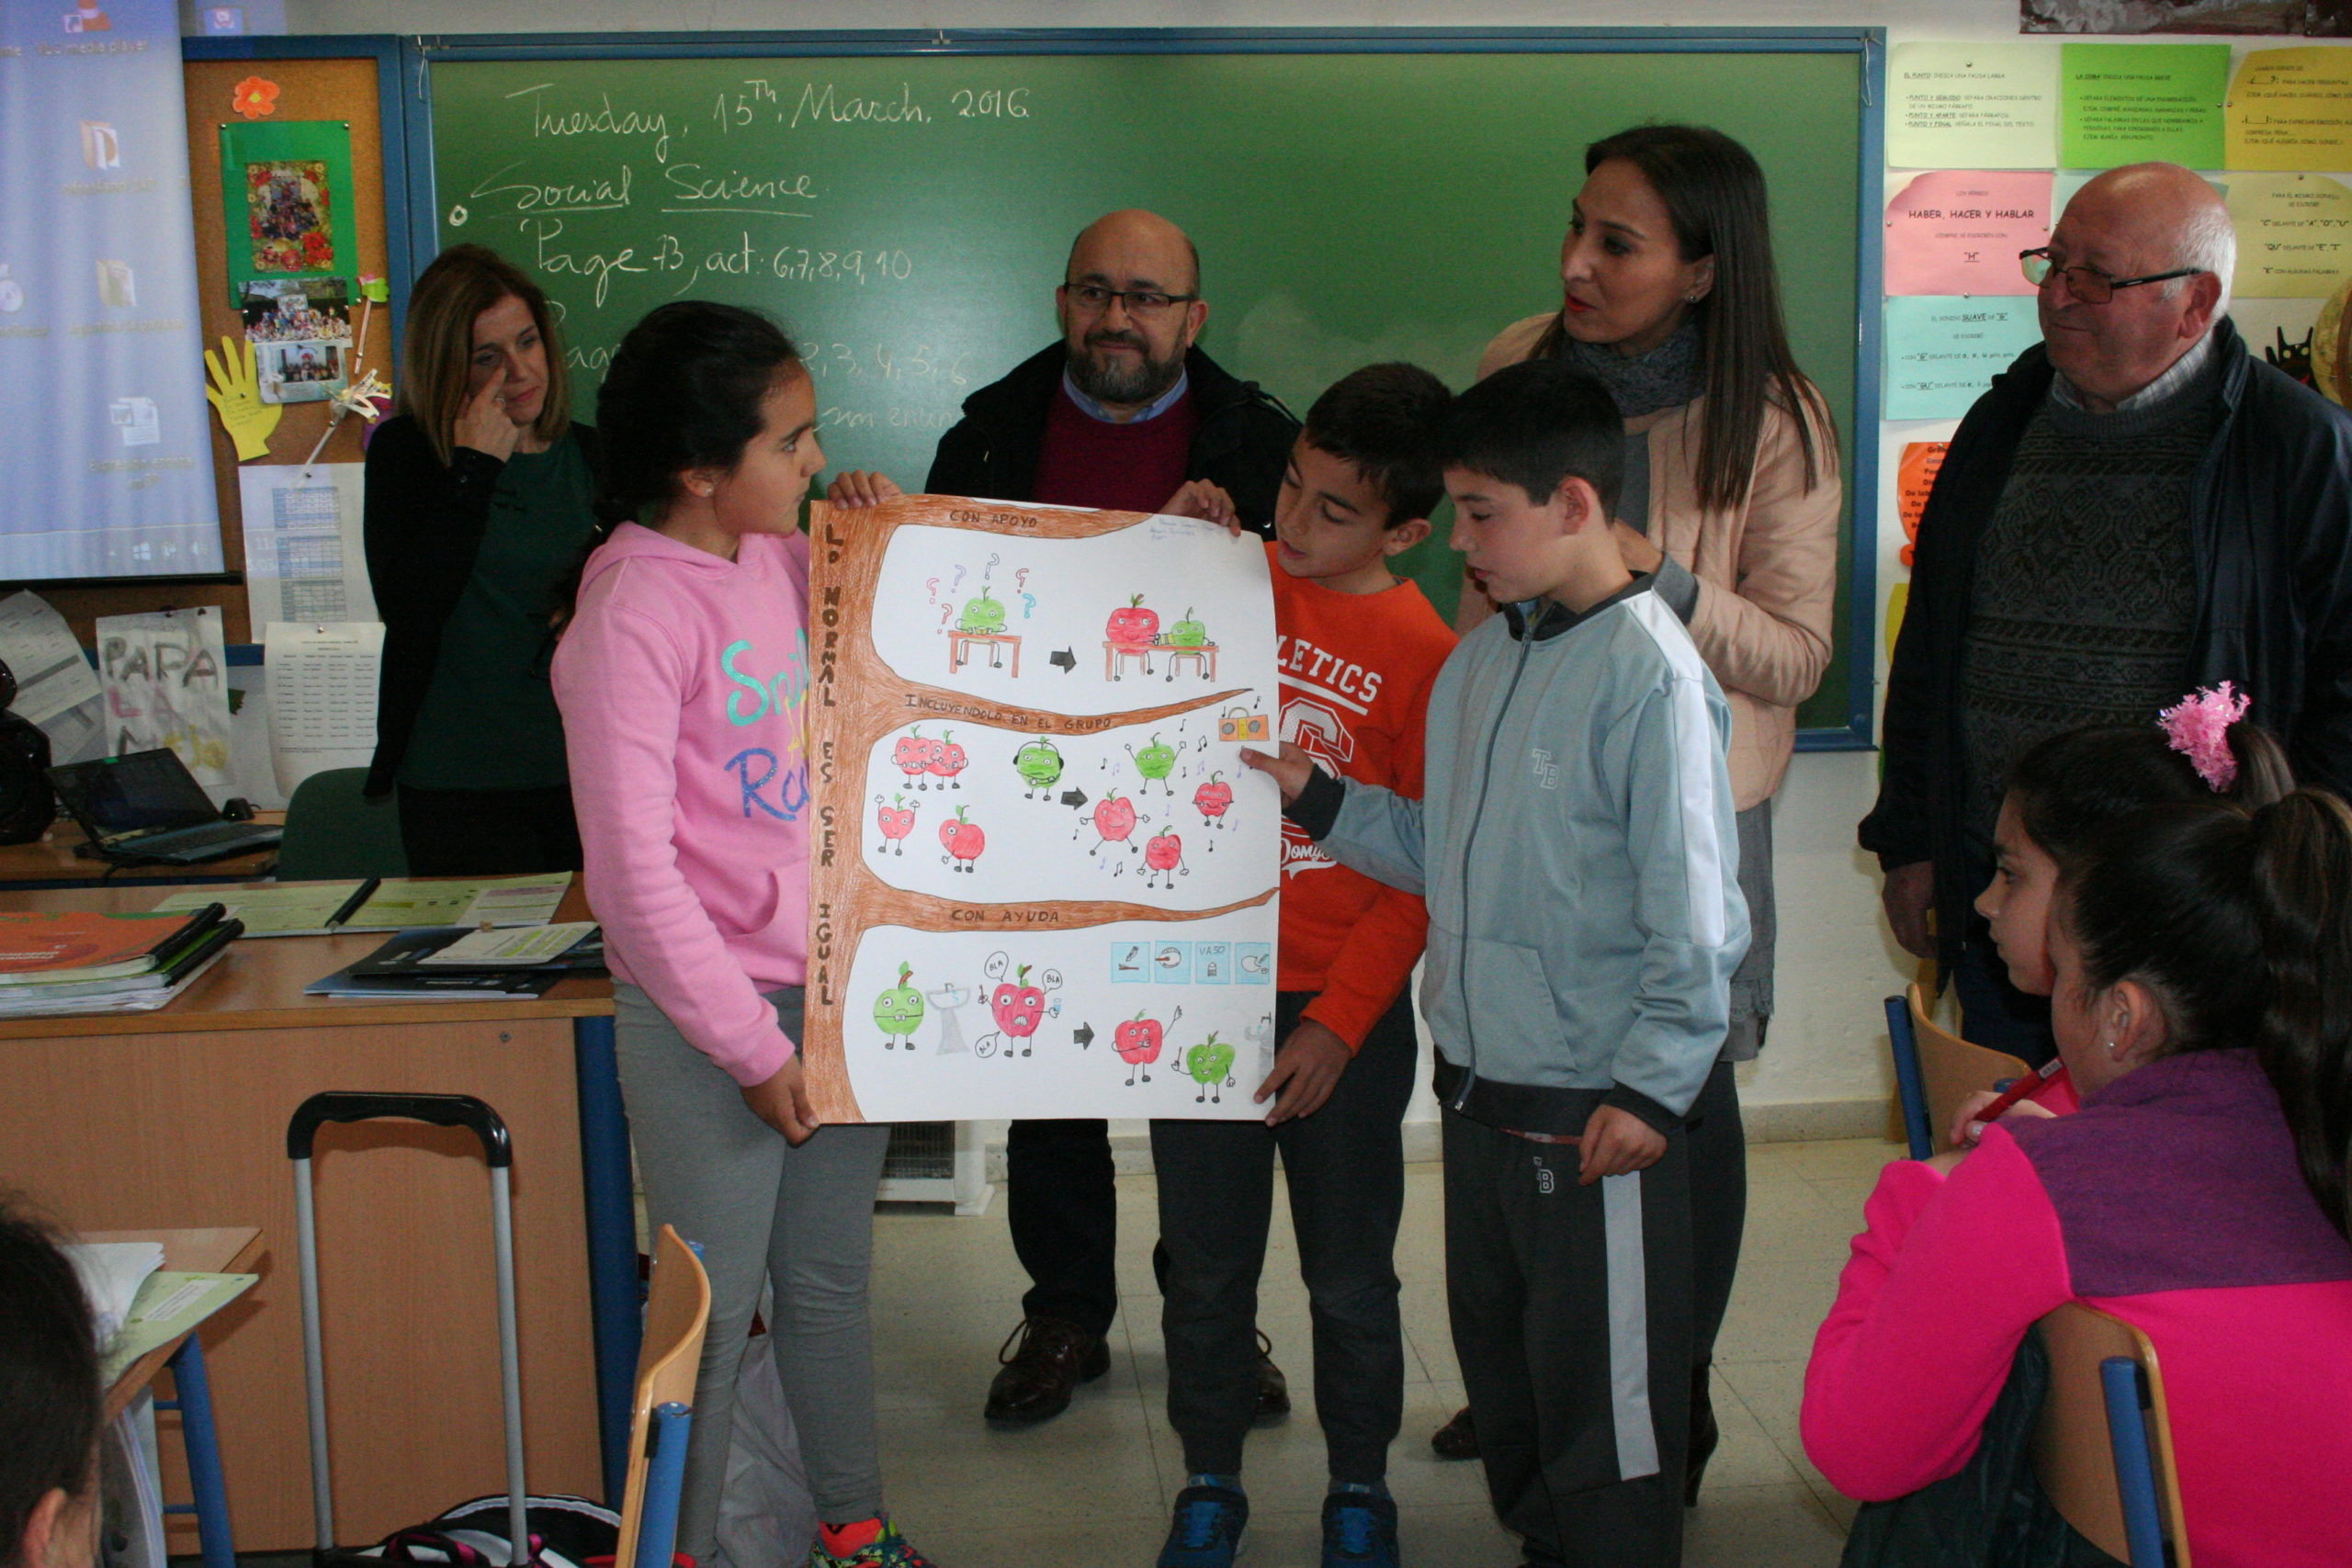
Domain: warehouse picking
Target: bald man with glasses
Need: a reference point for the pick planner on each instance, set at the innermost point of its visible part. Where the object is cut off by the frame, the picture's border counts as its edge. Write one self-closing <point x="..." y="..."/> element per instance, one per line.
<point x="1125" y="413"/>
<point x="2136" y="507"/>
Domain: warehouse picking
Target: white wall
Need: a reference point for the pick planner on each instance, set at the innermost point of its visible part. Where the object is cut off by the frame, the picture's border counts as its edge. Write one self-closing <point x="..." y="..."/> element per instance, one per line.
<point x="1824" y="1071"/>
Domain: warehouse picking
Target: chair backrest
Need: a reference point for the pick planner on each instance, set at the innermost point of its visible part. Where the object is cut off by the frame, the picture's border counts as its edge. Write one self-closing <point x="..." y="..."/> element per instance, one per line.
<point x="1951" y="1069"/>
<point x="677" y="1308"/>
<point x="334" y="832"/>
<point x="2107" y="1464"/>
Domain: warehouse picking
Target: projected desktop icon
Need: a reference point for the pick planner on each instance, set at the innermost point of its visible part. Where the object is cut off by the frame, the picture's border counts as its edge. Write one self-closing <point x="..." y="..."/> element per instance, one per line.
<point x="12" y="293"/>
<point x="118" y="284"/>
<point x="101" y="148"/>
<point x="138" y="419"/>
<point x="88" y="19"/>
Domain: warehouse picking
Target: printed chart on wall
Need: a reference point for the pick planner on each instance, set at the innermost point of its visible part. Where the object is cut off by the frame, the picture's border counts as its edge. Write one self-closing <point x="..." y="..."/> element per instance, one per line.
<point x="1043" y="883"/>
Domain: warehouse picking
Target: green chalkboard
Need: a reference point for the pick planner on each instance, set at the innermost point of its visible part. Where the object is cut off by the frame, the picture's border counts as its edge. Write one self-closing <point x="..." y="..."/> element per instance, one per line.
<point x="907" y="216"/>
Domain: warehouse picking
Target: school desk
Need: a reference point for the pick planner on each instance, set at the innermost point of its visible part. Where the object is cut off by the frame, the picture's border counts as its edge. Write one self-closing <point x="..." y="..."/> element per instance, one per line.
<point x="174" y="1118"/>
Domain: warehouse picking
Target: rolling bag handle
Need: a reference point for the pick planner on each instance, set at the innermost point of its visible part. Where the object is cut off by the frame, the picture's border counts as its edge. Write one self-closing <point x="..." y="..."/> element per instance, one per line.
<point x="498" y="1150"/>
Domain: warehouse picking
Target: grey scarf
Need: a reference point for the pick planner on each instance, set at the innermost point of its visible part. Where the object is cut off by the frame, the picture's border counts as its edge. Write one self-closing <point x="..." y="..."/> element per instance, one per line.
<point x="1672" y="373"/>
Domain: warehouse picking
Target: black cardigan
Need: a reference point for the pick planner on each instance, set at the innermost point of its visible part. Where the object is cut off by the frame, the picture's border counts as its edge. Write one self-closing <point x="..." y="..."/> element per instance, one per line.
<point x="423" y="527"/>
<point x="2271" y="514"/>
<point x="1243" y="441"/>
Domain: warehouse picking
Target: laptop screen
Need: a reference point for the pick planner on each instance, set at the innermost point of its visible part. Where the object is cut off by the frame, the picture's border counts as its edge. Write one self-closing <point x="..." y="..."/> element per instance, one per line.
<point x="133" y="793"/>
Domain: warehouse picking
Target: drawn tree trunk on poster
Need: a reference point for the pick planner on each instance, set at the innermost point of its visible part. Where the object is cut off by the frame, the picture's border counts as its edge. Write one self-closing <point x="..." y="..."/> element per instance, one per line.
<point x="1042" y="882"/>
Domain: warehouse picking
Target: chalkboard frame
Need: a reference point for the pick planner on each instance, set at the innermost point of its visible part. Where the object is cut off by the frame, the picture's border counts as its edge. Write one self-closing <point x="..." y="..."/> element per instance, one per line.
<point x="418" y="55"/>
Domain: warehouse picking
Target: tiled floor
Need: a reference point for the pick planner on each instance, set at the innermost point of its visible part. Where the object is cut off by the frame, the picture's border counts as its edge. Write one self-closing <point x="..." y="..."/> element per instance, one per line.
<point x="1095" y="1486"/>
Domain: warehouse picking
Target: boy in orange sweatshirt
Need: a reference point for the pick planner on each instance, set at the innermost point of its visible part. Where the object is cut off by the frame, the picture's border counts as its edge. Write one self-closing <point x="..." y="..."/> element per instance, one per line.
<point x="1358" y="652"/>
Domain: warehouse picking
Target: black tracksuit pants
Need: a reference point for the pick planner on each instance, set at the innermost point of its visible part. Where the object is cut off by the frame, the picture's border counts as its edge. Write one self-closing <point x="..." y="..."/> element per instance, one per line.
<point x="1572" y="1319"/>
<point x="1345" y="1167"/>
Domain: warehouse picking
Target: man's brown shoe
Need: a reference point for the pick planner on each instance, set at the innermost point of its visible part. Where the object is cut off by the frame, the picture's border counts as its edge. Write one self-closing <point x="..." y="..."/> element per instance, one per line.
<point x="1273" y="1389"/>
<point x="1458" y="1438"/>
<point x="1038" y="1378"/>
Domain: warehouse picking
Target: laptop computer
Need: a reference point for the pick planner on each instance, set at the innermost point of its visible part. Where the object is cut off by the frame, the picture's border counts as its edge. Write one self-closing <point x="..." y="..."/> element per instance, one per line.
<point x="146" y="806"/>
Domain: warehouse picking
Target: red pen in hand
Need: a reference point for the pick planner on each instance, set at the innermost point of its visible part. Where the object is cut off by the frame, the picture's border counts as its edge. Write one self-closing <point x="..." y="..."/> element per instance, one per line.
<point x="2049" y="1072"/>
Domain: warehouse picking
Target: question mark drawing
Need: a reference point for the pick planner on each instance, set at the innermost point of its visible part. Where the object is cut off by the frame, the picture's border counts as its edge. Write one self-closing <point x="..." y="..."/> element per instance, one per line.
<point x="1028" y="606"/>
<point x="989" y="571"/>
<point x="1021" y="579"/>
<point x="959" y="583"/>
<point x="944" y="612"/>
<point x="932" y="583"/>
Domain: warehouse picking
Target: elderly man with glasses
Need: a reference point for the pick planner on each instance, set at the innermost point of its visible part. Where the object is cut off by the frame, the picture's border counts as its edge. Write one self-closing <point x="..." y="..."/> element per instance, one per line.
<point x="2136" y="507"/>
<point x="1126" y="414"/>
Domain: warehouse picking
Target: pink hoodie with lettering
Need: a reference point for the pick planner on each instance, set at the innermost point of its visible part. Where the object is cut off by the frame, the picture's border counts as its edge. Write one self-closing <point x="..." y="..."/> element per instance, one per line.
<point x="683" y="679"/>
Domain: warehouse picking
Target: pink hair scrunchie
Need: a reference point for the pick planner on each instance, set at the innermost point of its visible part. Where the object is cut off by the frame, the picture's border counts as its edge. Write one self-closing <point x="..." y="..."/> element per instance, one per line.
<point x="2197" y="727"/>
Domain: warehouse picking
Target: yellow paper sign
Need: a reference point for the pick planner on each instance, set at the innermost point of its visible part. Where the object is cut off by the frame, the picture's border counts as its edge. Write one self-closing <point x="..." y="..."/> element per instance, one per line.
<point x="2290" y="109"/>
<point x="2294" y="235"/>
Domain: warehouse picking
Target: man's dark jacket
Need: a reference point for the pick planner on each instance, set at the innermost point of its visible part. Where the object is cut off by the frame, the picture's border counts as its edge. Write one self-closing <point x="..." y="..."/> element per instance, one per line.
<point x="1242" y="443"/>
<point x="2271" y="510"/>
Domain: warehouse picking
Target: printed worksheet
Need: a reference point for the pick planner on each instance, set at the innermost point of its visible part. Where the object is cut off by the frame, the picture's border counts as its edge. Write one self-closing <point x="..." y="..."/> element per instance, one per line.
<point x="1044" y="885"/>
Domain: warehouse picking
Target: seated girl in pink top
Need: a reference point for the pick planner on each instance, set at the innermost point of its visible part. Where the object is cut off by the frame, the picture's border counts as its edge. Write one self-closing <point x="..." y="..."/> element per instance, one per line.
<point x="2067" y="789"/>
<point x="683" y="677"/>
<point x="2201" y="989"/>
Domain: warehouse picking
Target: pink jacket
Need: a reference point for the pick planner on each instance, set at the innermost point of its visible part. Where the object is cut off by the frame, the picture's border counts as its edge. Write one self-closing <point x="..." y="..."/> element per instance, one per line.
<point x="2172" y="1199"/>
<point x="682" y="678"/>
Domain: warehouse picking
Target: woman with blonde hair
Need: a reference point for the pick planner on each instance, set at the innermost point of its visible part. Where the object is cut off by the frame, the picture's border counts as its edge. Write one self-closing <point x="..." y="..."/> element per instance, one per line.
<point x="480" y="499"/>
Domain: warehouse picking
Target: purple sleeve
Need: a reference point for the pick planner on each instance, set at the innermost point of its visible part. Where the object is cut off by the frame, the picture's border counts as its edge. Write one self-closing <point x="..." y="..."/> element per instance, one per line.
<point x="1941" y="1288"/>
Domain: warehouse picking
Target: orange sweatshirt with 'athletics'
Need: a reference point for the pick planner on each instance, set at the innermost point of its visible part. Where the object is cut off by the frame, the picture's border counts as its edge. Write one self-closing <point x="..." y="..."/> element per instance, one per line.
<point x="1356" y="670"/>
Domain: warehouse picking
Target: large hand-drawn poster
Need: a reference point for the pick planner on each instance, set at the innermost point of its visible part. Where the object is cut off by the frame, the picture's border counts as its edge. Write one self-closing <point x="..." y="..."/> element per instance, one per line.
<point x="1044" y="884"/>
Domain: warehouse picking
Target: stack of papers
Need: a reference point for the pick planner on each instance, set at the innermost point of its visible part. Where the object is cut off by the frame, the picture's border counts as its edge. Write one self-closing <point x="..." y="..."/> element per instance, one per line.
<point x="111" y="1273"/>
<point x="79" y="961"/>
<point x="382" y="904"/>
<point x="169" y="1306"/>
<point x="468" y="963"/>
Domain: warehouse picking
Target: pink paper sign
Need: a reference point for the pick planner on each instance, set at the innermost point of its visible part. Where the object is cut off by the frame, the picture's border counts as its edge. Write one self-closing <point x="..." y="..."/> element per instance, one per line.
<point x="1958" y="231"/>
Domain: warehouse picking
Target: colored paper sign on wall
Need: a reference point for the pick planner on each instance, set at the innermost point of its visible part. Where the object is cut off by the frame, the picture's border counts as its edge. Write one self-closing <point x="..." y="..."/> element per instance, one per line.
<point x="1958" y="231"/>
<point x="2294" y="235"/>
<point x="1922" y="460"/>
<point x="1898" y="600"/>
<point x="2126" y="102"/>
<point x="2290" y="109"/>
<point x="286" y="202"/>
<point x="1971" y="106"/>
<point x="1942" y="353"/>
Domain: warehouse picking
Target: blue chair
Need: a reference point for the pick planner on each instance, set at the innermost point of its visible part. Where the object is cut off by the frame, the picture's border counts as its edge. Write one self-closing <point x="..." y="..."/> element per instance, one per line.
<point x="677" y="1310"/>
<point x="192" y="1398"/>
<point x="2103" y="1447"/>
<point x="1934" y="1069"/>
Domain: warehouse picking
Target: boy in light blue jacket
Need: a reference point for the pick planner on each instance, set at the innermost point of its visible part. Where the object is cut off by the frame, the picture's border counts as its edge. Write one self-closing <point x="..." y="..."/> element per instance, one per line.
<point x="1576" y="848"/>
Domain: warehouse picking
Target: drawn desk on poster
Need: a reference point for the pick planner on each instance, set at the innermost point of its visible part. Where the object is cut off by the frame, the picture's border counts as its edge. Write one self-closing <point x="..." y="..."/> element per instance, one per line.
<point x="1043" y="883"/>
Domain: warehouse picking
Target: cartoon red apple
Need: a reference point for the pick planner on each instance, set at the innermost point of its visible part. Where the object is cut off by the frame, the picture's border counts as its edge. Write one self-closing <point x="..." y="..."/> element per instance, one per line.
<point x="912" y="756"/>
<point x="947" y="758"/>
<point x="1137" y="1041"/>
<point x="1114" y="819"/>
<point x="1214" y="797"/>
<point x="1164" y="852"/>
<point x="1132" y="624"/>
<point x="963" y="840"/>
<point x="895" y="823"/>
<point x="1019" y="1007"/>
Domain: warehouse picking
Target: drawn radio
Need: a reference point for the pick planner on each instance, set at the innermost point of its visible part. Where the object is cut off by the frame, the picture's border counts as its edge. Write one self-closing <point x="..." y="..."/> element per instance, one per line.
<point x="1241" y="724"/>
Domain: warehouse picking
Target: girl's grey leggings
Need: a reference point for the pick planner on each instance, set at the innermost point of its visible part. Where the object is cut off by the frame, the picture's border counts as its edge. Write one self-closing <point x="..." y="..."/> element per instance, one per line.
<point x="764" y="1213"/>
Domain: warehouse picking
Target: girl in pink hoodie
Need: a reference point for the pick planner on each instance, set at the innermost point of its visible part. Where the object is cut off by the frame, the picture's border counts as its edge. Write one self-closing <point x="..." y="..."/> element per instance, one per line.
<point x="682" y="676"/>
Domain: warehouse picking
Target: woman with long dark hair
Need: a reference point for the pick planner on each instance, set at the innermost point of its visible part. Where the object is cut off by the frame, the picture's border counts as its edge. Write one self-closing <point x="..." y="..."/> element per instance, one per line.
<point x="481" y="497"/>
<point x="1670" y="298"/>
